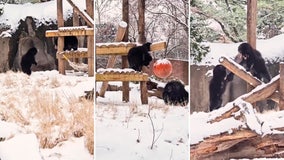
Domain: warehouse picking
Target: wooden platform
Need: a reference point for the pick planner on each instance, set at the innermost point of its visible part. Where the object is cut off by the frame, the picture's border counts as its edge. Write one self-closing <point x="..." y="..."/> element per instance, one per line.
<point x="122" y="48"/>
<point x="125" y="75"/>
<point x="80" y="53"/>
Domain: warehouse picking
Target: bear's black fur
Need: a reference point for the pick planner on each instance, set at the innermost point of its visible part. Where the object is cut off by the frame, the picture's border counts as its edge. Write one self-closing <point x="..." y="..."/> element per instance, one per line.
<point x="28" y="59"/>
<point x="175" y="94"/>
<point x="70" y="43"/>
<point x="139" y="56"/>
<point x="217" y="86"/>
<point x="254" y="62"/>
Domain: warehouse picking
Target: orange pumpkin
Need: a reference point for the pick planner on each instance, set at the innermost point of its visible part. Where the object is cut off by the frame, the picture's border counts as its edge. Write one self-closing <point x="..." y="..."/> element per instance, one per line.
<point x="162" y="68"/>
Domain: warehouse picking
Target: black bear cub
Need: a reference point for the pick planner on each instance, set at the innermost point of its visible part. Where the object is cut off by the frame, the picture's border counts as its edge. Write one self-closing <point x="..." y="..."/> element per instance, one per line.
<point x="175" y="94"/>
<point x="254" y="62"/>
<point x="70" y="43"/>
<point x="139" y="56"/>
<point x="28" y="59"/>
<point x="217" y="86"/>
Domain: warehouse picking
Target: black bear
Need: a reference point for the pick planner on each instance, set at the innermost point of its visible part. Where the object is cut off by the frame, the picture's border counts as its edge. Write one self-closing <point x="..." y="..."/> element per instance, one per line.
<point x="217" y="86"/>
<point x="28" y="59"/>
<point x="139" y="56"/>
<point x="70" y="43"/>
<point x="175" y="94"/>
<point x="253" y="61"/>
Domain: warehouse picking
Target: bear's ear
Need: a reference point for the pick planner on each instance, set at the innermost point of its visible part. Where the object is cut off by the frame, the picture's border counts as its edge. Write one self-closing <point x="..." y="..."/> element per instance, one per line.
<point x="148" y="44"/>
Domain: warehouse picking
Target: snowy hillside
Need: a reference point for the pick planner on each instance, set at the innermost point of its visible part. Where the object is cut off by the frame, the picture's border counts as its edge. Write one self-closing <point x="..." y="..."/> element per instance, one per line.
<point x="270" y="49"/>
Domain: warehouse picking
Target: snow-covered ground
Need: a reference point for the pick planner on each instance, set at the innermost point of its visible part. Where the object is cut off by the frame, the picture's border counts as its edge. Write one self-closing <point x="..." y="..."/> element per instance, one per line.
<point x="41" y="114"/>
<point x="125" y="130"/>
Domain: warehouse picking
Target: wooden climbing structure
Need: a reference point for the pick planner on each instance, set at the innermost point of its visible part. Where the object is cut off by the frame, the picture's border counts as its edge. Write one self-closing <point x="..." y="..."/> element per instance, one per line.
<point x="75" y="30"/>
<point x="118" y="48"/>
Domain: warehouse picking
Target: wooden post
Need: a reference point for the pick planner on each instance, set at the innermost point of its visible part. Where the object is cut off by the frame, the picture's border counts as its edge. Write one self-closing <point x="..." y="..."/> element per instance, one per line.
<point x="91" y="49"/>
<point x="251" y="22"/>
<point x="281" y="86"/>
<point x="144" y="92"/>
<point x="90" y="39"/>
<point x="125" y="18"/>
<point x="60" y="42"/>
<point x="111" y="60"/>
<point x="251" y="26"/>
<point x="76" y="23"/>
<point x="141" y="21"/>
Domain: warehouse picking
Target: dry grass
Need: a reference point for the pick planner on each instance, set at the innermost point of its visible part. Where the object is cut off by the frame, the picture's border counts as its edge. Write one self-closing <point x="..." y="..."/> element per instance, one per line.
<point x="52" y="117"/>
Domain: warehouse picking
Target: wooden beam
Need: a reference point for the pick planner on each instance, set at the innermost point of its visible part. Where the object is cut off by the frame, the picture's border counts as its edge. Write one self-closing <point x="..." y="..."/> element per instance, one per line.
<point x="123" y="48"/>
<point x="121" y="77"/>
<point x="239" y="71"/>
<point x="262" y="93"/>
<point x="78" y="32"/>
<point x="281" y="86"/>
<point x="87" y="18"/>
<point x="112" y="58"/>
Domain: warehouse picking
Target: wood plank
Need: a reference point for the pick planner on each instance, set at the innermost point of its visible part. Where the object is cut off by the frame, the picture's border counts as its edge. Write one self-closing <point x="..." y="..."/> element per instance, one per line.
<point x="121" y="77"/>
<point x="123" y="48"/>
<point x="75" y="32"/>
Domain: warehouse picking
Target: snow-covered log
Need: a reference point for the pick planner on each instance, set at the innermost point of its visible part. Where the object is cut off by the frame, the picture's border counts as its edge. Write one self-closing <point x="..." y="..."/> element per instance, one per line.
<point x="239" y="71"/>
<point x="263" y="91"/>
<point x="243" y="74"/>
<point x="243" y="134"/>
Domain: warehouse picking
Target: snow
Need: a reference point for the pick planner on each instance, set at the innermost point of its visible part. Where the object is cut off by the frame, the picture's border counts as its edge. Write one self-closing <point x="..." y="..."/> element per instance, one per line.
<point x="122" y="24"/>
<point x="163" y="61"/>
<point x="124" y="130"/>
<point x="125" y="70"/>
<point x="44" y="13"/>
<point x="19" y="95"/>
<point x="22" y="146"/>
<point x="270" y="49"/>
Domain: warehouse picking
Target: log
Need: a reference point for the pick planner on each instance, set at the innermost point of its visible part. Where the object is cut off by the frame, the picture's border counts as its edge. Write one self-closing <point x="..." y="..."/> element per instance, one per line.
<point x="239" y="144"/>
<point x="225" y="115"/>
<point x="241" y="72"/>
<point x="111" y="61"/>
<point x="262" y="93"/>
